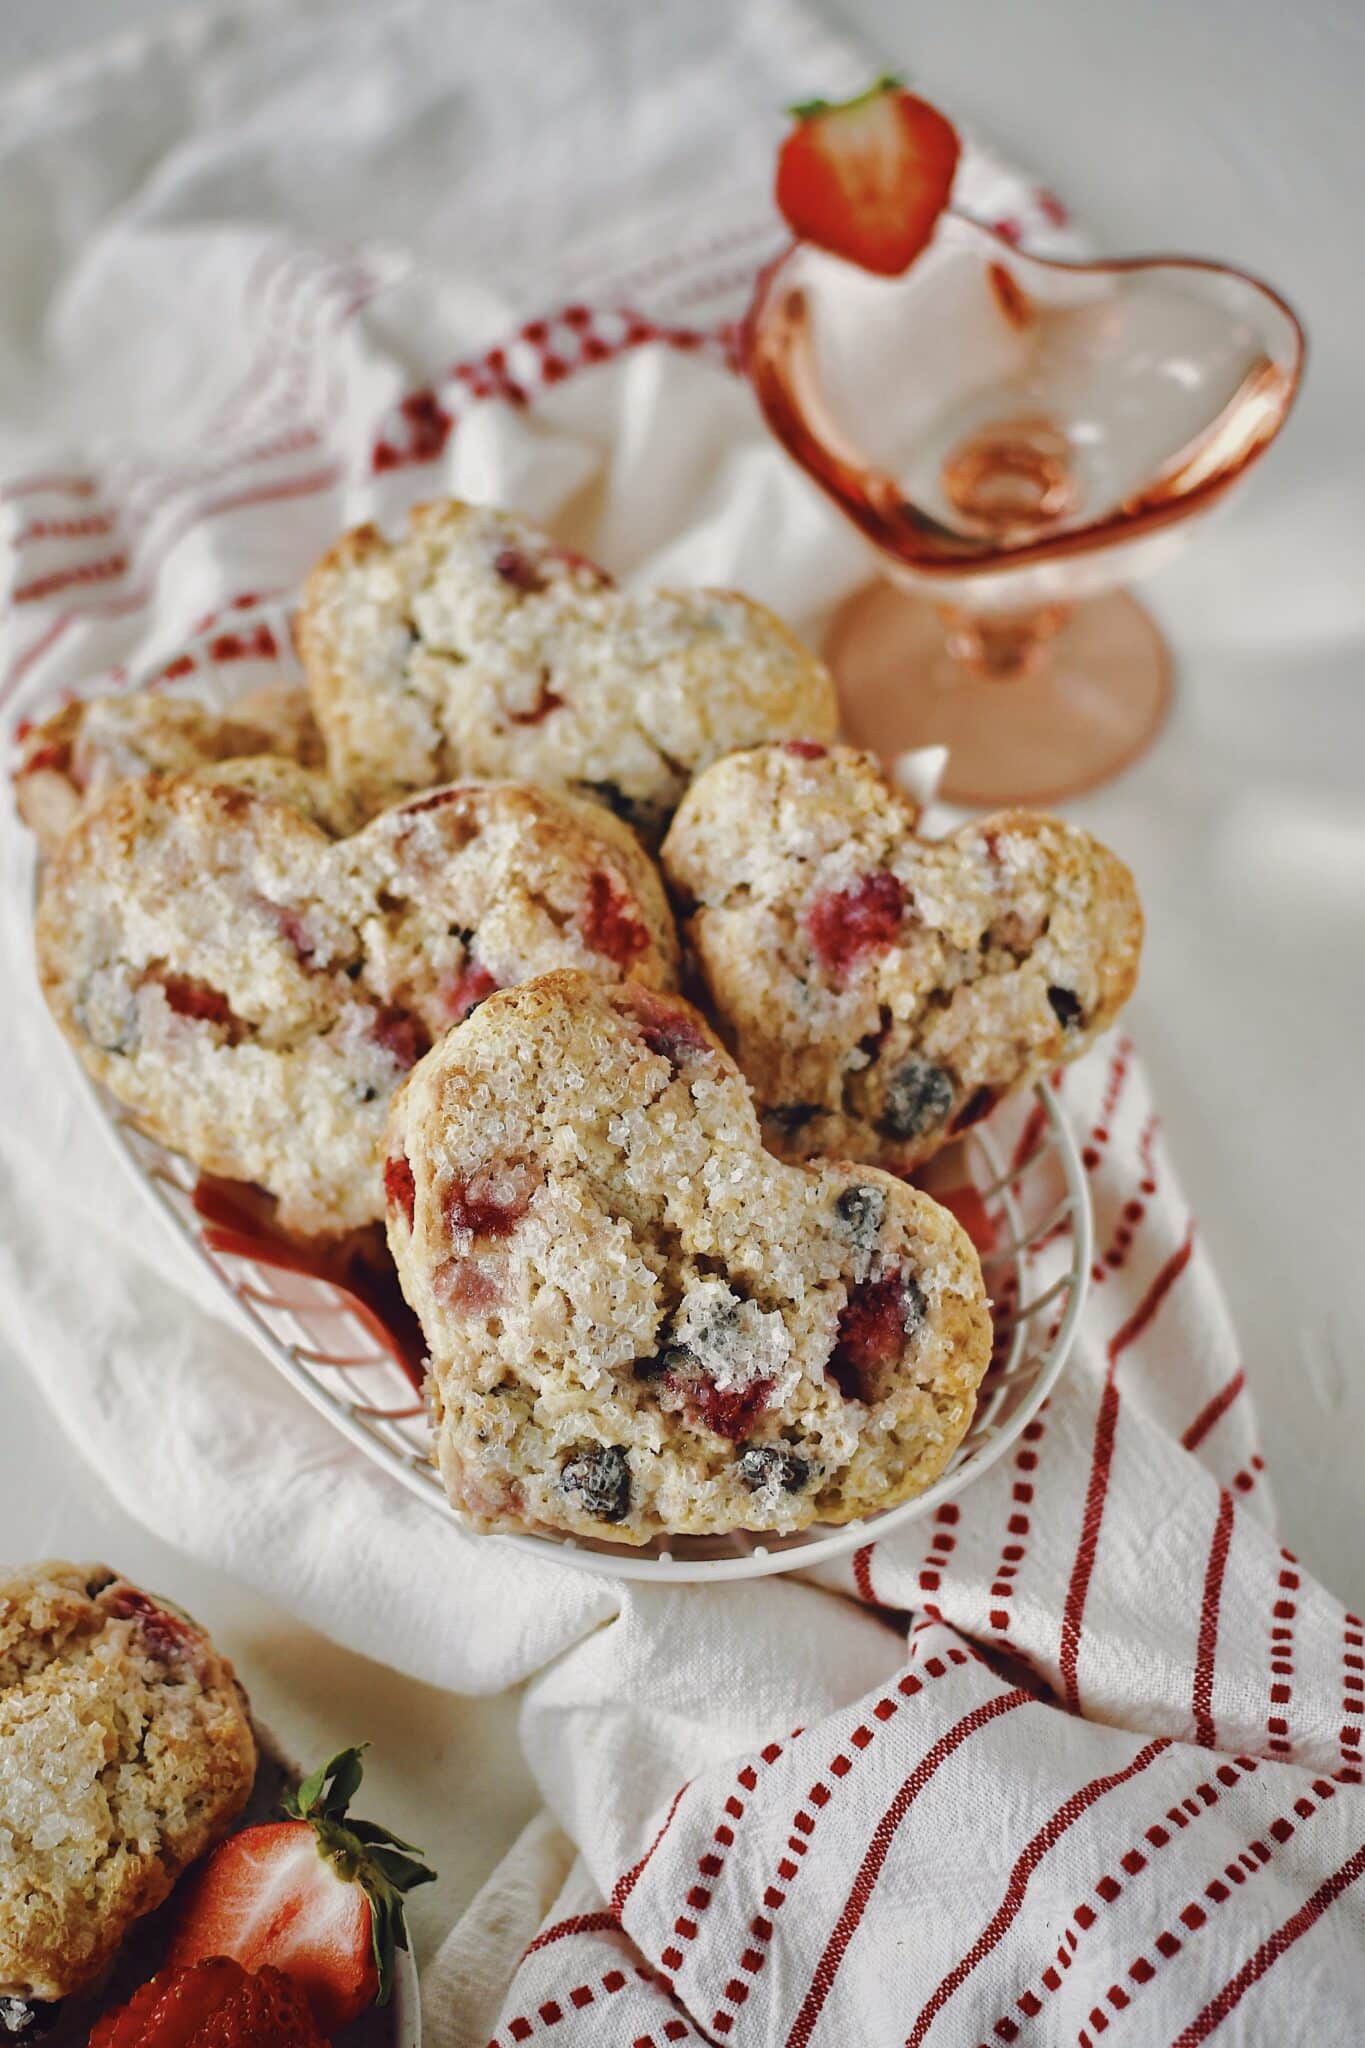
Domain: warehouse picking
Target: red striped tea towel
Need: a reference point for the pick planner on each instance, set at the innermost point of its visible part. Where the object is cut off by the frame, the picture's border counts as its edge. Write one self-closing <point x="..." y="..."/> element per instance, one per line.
<point x="1105" y="1783"/>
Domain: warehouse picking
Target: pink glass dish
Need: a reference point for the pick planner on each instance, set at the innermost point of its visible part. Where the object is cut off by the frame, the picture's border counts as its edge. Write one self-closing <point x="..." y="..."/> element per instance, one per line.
<point x="1016" y="437"/>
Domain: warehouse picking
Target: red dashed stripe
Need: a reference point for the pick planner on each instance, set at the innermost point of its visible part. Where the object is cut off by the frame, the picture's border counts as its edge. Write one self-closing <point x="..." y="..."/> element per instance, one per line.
<point x="1244" y="1480"/>
<point x="552" y="2010"/>
<point x="1284" y="1614"/>
<point x="93" y="525"/>
<point x="862" y="1574"/>
<point x="942" y="1544"/>
<point x="1118" y="1074"/>
<point x="1014" y="1549"/>
<point x="804" y="1820"/>
<point x="540" y="354"/>
<point x="107" y="569"/>
<point x="1016" y="1889"/>
<point x="1270" y="1951"/>
<point x="1106" y="1425"/>
<point x="1352" y="1700"/>
<point x="711" y="1865"/>
<point x="1213" y="1411"/>
<point x="1109" y="1888"/>
<point x="1194" y="1915"/>
<point x="1207" y="1650"/>
<point x="879" y="1848"/>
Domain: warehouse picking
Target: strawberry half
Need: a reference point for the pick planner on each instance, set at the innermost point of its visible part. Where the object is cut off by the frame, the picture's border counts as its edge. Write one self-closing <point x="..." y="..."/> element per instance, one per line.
<point x="215" y="2004"/>
<point x="868" y="177"/>
<point x="317" y="1895"/>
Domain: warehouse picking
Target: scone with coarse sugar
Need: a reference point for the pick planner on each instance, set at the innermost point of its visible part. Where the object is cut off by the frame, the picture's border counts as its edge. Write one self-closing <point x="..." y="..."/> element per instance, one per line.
<point x="475" y="646"/>
<point x="69" y="762"/>
<point x="639" y="1321"/>
<point x="254" y="991"/>
<point x="125" y="1751"/>
<point x="882" y="992"/>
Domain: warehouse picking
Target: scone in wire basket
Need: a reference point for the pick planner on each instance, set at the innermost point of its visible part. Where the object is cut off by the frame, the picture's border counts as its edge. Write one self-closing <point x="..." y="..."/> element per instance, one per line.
<point x="1029" y="1199"/>
<point x="1016" y="1180"/>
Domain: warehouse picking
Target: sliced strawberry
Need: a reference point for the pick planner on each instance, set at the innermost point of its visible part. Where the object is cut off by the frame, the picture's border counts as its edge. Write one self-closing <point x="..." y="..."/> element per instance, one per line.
<point x="400" y="1189"/>
<point x="609" y="920"/>
<point x="464" y="991"/>
<point x="868" y="177"/>
<point x="316" y="1895"/>
<point x="847" y="923"/>
<point x="212" y="2004"/>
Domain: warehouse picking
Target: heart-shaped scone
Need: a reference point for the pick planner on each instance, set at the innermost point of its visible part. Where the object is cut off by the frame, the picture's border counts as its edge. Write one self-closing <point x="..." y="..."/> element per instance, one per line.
<point x="254" y="991"/>
<point x="880" y="991"/>
<point x="475" y="646"/>
<point x="640" y="1322"/>
<point x="69" y="762"/>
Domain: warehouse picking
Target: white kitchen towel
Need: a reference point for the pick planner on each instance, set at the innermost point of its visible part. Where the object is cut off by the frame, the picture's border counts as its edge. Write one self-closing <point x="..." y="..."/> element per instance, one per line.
<point x="276" y="271"/>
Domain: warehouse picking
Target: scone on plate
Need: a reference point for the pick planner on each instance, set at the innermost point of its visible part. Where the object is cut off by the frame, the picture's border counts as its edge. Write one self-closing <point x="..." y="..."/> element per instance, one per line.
<point x="125" y="1750"/>
<point x="639" y="1322"/>
<point x="474" y="646"/>
<point x="69" y="762"/>
<point x="881" y="991"/>
<point x="254" y="990"/>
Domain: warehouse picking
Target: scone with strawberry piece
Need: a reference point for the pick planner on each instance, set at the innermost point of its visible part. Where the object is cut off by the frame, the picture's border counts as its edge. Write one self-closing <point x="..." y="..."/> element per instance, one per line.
<point x="881" y="991"/>
<point x="125" y="1751"/>
<point x="475" y="646"/>
<point x="254" y="990"/>
<point x="639" y="1322"/>
<point x="69" y="762"/>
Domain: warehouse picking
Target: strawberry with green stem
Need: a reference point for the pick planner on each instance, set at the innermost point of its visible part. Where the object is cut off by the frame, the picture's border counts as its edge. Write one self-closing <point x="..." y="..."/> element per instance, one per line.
<point x="317" y="1895"/>
<point x="867" y="178"/>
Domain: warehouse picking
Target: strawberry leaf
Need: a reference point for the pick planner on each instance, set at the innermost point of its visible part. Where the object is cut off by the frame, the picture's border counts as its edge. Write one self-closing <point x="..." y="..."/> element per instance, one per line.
<point x="363" y="1853"/>
<point x="806" y="110"/>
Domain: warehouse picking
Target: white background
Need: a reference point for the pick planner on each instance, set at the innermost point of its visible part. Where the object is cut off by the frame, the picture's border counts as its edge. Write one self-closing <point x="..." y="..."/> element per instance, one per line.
<point x="1228" y="128"/>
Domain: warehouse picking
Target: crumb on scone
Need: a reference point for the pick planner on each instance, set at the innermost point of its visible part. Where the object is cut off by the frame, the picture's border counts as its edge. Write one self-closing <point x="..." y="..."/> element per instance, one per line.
<point x="475" y="646"/>
<point x="69" y="762"/>
<point x="254" y="990"/>
<point x="882" y="992"/>
<point x="640" y="1322"/>
<point x="125" y="1751"/>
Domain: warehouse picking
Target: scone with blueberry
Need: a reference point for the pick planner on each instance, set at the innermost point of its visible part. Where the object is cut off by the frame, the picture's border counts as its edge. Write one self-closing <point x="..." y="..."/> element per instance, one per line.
<point x="254" y="990"/>
<point x="474" y="646"/>
<point x="881" y="991"/>
<point x="639" y="1322"/>
<point x="125" y="1750"/>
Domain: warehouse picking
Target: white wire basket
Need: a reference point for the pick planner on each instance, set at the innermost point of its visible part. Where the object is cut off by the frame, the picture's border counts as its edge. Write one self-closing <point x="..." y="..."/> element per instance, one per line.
<point x="1031" y="1216"/>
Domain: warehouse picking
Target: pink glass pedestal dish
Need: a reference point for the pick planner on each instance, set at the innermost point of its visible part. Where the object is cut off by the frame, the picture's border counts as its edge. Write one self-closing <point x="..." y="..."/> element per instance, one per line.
<point x="1016" y="438"/>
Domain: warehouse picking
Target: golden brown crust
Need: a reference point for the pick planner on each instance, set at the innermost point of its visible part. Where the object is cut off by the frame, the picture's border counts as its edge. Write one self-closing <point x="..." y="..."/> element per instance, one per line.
<point x="253" y="990"/>
<point x="882" y="991"/>
<point x="639" y="1322"/>
<point x="474" y="645"/>
<point x="71" y="761"/>
<point x="125" y="1751"/>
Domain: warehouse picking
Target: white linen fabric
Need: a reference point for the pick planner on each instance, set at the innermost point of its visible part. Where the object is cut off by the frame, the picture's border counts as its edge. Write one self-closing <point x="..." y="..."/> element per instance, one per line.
<point x="1078" y="1756"/>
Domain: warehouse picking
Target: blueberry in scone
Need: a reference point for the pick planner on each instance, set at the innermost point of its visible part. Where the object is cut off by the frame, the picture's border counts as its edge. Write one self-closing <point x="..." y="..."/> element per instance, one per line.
<point x="639" y="1321"/>
<point x="125" y="1751"/>
<point x="254" y="990"/>
<point x="474" y="646"/>
<point x="70" y="762"/>
<point x="882" y="992"/>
